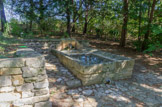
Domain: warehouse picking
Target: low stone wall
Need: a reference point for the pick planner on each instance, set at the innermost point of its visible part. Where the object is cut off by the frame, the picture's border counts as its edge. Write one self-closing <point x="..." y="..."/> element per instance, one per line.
<point x="51" y="43"/>
<point x="23" y="80"/>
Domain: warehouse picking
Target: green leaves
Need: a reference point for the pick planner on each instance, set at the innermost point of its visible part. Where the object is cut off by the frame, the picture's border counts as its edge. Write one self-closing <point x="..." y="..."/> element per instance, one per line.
<point x="153" y="47"/>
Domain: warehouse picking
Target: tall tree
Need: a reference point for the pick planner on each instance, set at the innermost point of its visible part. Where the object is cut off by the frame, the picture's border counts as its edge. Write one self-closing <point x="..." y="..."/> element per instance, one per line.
<point x="150" y="19"/>
<point x="88" y="7"/>
<point x="139" y="23"/>
<point x="125" y="21"/>
<point x="77" y="6"/>
<point x="31" y="14"/>
<point x="2" y="16"/>
<point x="68" y="16"/>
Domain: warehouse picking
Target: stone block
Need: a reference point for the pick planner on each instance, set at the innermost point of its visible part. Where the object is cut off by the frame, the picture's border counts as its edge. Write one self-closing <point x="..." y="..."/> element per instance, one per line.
<point x="5" y="81"/>
<point x="12" y="63"/>
<point x="43" y="104"/>
<point x="42" y="77"/>
<point x="30" y="79"/>
<point x="31" y="100"/>
<point x="42" y="84"/>
<point x="42" y="71"/>
<point x="25" y="52"/>
<point x="5" y="104"/>
<point x="25" y="87"/>
<point x="41" y="92"/>
<point x="9" y="97"/>
<point x="27" y="94"/>
<point x="10" y="71"/>
<point x="73" y="83"/>
<point x="25" y="106"/>
<point x="37" y="79"/>
<point x="7" y="89"/>
<point x="17" y="80"/>
<point x="31" y="72"/>
<point x="35" y="62"/>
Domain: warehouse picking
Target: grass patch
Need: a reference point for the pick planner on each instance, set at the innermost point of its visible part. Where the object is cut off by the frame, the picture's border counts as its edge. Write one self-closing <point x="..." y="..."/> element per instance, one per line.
<point x="8" y="46"/>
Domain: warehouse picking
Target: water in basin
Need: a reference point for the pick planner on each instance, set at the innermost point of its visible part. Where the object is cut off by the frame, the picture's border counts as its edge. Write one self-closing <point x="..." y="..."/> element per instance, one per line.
<point x="89" y="59"/>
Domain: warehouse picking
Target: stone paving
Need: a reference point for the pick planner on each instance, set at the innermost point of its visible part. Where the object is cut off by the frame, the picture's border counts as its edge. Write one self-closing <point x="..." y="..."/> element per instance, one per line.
<point x="144" y="89"/>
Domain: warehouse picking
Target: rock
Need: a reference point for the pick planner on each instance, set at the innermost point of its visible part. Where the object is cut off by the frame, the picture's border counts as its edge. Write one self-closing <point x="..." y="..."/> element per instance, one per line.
<point x="80" y="99"/>
<point x="30" y="79"/>
<point x="73" y="83"/>
<point x="41" y="92"/>
<point x="71" y="92"/>
<point x="100" y="90"/>
<point x="43" y="104"/>
<point x="97" y="86"/>
<point x="79" y="89"/>
<point x="8" y="97"/>
<point x="27" y="94"/>
<point x="87" y="92"/>
<point x="108" y="91"/>
<point x="7" y="89"/>
<point x="25" y="87"/>
<point x="5" y="81"/>
<point x="38" y="78"/>
<point x="99" y="94"/>
<point x="42" y="84"/>
<point x="30" y="72"/>
<point x="12" y="63"/>
<point x="59" y="79"/>
<point x="10" y="71"/>
<point x="17" y="80"/>
<point x="35" y="62"/>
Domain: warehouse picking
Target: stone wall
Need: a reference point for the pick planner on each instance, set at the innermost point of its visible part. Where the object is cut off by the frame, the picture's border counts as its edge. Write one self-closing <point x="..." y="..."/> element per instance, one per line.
<point x="23" y="80"/>
<point x="50" y="43"/>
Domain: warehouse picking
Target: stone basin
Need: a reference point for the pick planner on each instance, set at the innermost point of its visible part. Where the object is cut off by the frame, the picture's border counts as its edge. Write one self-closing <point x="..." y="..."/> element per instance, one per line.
<point x="93" y="66"/>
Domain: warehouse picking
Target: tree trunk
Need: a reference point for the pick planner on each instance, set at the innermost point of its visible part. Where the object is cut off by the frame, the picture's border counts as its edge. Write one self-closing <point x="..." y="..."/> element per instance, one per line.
<point x="68" y="22"/>
<point x="125" y="20"/>
<point x="41" y="10"/>
<point x="74" y="18"/>
<point x="31" y="23"/>
<point x="2" y="16"/>
<point x="139" y="26"/>
<point x="31" y="14"/>
<point x="145" y="42"/>
<point x="86" y="21"/>
<point x="73" y="28"/>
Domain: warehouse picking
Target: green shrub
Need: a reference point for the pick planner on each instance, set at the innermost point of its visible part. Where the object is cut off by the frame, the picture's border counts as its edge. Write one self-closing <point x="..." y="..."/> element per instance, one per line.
<point x="16" y="28"/>
<point x="153" y="47"/>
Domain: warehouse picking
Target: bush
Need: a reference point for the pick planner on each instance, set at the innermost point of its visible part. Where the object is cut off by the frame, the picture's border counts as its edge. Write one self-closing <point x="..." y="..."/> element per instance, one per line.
<point x="153" y="47"/>
<point x="137" y="44"/>
<point x="16" y="28"/>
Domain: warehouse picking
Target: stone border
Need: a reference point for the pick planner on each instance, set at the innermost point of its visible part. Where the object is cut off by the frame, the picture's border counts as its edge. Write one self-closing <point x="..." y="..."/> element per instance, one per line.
<point x="23" y="80"/>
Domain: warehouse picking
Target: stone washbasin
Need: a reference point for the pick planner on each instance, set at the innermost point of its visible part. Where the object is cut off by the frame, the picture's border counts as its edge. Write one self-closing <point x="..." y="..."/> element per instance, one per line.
<point x="93" y="66"/>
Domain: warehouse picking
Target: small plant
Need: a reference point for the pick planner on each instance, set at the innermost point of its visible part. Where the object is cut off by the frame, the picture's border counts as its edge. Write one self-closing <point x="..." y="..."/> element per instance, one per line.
<point x="65" y="35"/>
<point x="52" y="93"/>
<point x="137" y="45"/>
